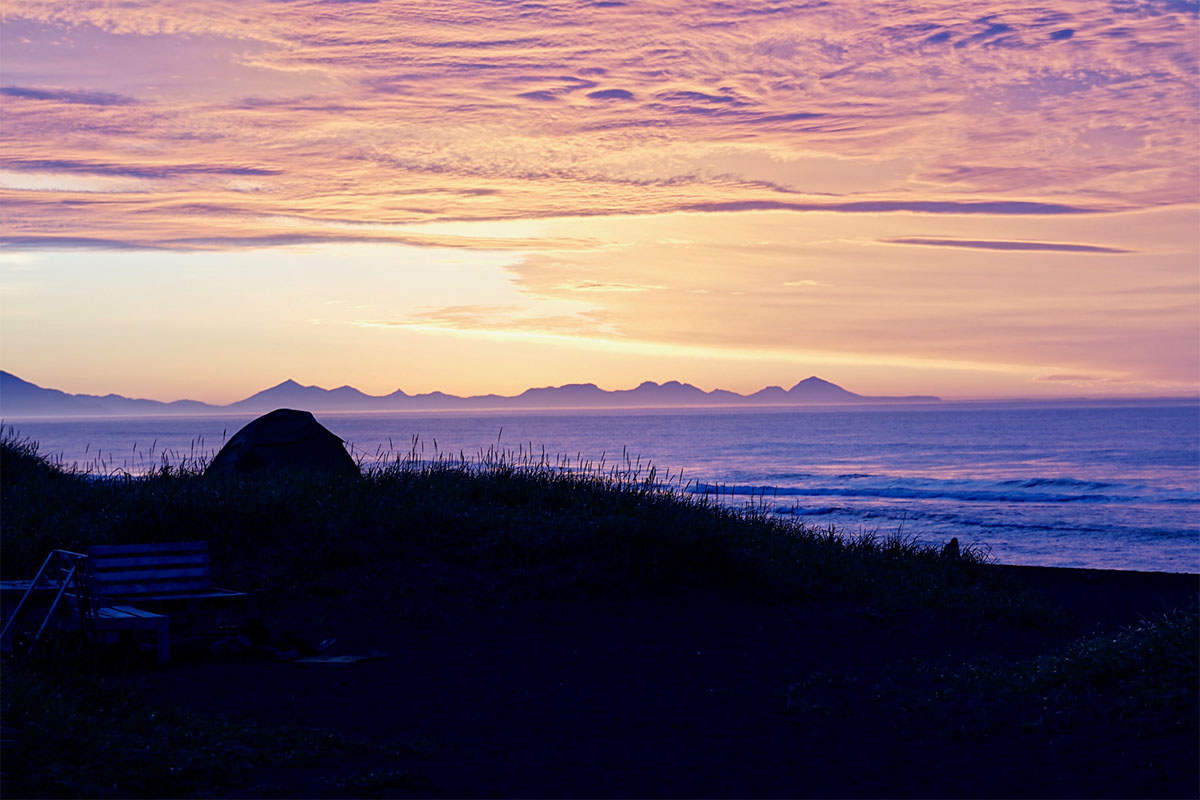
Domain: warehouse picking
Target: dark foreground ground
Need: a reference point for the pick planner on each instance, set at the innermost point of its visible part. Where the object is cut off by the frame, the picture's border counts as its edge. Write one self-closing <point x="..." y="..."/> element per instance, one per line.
<point x="546" y="634"/>
<point x="696" y="693"/>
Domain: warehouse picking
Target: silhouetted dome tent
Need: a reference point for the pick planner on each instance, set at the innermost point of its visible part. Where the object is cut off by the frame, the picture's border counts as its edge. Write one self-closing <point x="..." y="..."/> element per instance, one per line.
<point x="283" y="439"/>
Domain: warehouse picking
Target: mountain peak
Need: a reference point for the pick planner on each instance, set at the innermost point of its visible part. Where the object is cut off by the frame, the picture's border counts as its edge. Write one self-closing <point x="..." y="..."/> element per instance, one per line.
<point x="816" y="388"/>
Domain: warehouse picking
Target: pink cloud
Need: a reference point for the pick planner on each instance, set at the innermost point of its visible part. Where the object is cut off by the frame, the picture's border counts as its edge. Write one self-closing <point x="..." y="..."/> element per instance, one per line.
<point x="995" y="106"/>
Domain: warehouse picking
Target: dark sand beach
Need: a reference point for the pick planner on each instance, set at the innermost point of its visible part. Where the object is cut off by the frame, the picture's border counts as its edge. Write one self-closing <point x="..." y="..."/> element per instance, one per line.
<point x="494" y="690"/>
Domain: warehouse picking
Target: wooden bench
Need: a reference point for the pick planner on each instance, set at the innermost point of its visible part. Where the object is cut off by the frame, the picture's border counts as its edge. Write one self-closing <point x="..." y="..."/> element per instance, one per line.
<point x="134" y="586"/>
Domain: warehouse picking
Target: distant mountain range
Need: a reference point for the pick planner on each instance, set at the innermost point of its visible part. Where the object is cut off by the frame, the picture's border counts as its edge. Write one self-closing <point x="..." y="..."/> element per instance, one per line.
<point x="20" y="398"/>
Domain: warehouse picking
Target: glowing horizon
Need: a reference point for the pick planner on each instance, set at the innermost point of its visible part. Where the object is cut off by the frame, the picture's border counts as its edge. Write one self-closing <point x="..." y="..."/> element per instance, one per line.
<point x="969" y="200"/>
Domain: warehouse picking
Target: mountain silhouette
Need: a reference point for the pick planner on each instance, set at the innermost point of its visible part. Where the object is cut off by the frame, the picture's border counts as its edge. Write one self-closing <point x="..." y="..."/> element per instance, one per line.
<point x="815" y="389"/>
<point x="20" y="398"/>
<point x="290" y="394"/>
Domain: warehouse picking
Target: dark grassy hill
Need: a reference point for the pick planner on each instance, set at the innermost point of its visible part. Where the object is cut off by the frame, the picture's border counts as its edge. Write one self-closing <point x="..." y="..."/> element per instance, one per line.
<point x="555" y="632"/>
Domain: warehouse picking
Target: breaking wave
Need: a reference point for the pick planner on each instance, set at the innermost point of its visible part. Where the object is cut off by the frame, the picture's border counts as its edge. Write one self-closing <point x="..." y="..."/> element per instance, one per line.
<point x="1033" y="490"/>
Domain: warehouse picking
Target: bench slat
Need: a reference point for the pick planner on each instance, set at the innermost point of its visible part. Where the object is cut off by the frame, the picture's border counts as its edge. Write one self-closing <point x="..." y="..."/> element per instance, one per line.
<point x="139" y="575"/>
<point x="213" y="594"/>
<point x="125" y="612"/>
<point x="101" y="550"/>
<point x="136" y="612"/>
<point x="100" y="564"/>
<point x="163" y="568"/>
<point x="153" y="587"/>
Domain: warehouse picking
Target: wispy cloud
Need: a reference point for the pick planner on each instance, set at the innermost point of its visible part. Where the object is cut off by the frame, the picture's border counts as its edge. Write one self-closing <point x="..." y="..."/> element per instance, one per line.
<point x="66" y="96"/>
<point x="976" y="244"/>
<point x="131" y="170"/>
<point x="559" y="108"/>
<point x="1068" y="378"/>
<point x="910" y="206"/>
<point x="496" y="319"/>
<point x="70" y="243"/>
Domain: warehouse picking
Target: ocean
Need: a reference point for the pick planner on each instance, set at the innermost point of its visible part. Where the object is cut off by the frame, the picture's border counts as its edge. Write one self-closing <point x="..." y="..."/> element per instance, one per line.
<point x="1113" y="486"/>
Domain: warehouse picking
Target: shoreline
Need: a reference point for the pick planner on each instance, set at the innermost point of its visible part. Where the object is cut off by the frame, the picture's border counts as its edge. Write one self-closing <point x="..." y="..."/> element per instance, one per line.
<point x="1106" y="597"/>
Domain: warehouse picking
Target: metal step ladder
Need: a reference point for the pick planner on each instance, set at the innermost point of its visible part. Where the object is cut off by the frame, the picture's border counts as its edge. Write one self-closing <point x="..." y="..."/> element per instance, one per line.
<point x="64" y="574"/>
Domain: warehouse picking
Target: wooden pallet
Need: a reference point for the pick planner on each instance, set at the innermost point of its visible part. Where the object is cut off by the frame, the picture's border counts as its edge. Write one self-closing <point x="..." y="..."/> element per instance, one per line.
<point x="128" y="618"/>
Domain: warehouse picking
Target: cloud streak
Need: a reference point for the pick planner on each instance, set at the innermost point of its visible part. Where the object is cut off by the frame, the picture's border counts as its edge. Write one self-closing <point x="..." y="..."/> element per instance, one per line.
<point x="976" y="244"/>
<point x="66" y="96"/>
<point x="130" y="170"/>
<point x="895" y="206"/>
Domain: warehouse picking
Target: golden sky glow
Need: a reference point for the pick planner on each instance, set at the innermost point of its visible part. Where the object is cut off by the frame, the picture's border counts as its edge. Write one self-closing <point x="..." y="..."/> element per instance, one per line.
<point x="970" y="199"/>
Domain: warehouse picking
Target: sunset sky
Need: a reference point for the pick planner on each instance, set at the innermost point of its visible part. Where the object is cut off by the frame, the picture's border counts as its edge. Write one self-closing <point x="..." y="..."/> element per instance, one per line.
<point x="971" y="199"/>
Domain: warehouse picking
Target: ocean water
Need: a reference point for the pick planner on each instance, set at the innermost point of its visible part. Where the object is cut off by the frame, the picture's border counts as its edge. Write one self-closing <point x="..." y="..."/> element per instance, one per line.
<point x="1112" y="486"/>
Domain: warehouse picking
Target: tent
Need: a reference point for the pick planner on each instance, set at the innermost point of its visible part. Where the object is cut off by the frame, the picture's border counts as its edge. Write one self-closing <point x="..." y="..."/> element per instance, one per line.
<point x="283" y="439"/>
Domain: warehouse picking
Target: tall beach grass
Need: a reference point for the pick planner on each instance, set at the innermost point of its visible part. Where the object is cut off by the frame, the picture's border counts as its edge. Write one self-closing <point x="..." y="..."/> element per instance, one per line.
<point x="613" y="526"/>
